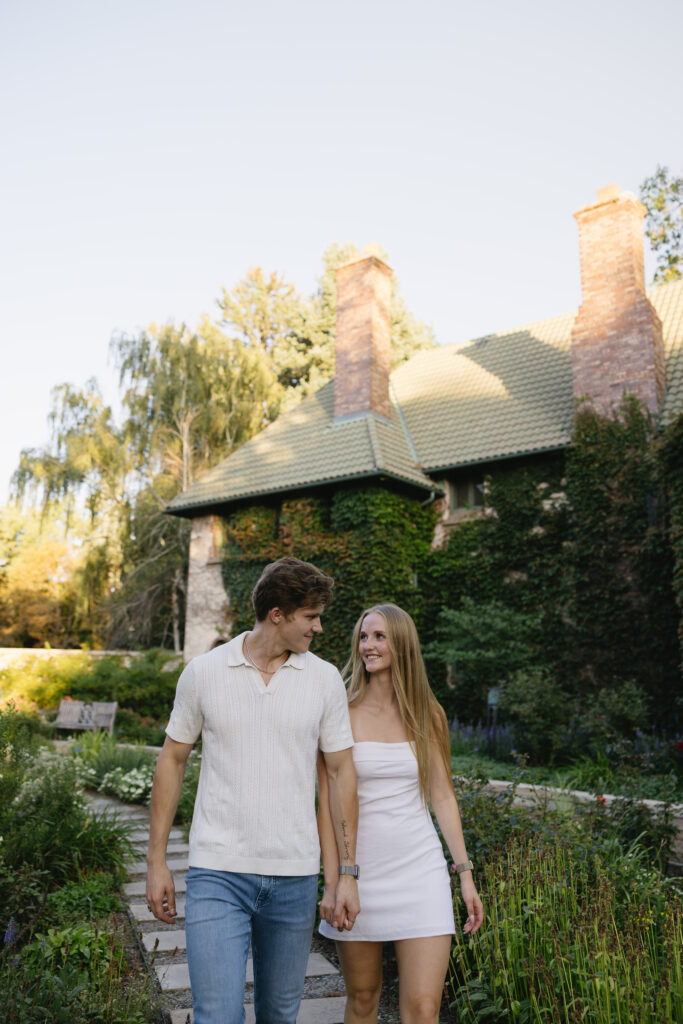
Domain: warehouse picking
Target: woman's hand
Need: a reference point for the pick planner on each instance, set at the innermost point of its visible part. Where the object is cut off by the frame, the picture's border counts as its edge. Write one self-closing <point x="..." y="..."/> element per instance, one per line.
<point x="475" y="910"/>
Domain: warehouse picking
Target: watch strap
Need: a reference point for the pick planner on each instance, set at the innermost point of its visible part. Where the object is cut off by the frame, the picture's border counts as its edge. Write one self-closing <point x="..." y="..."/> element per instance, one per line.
<point x="349" y="869"/>
<point x="466" y="865"/>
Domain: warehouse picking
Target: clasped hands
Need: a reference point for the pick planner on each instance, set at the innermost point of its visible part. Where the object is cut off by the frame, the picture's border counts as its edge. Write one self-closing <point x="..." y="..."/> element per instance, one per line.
<point x="340" y="905"/>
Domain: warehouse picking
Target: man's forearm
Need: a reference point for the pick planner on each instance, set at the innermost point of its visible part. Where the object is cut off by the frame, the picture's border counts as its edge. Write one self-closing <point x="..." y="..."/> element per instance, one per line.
<point x="344" y="811"/>
<point x="168" y="784"/>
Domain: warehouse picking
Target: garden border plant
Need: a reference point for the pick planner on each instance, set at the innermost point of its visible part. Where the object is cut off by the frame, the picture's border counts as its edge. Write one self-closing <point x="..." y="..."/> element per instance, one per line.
<point x="64" y="955"/>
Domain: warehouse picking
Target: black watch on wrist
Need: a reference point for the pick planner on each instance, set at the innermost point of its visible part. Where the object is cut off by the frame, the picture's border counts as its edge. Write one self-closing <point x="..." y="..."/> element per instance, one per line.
<point x="349" y="869"/>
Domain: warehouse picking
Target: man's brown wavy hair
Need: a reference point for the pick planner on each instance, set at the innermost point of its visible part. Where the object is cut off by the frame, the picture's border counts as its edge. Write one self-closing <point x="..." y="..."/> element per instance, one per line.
<point x="289" y="584"/>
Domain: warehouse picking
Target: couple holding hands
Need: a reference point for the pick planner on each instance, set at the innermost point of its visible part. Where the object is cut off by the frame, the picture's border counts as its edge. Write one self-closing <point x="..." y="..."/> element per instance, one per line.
<point x="269" y="711"/>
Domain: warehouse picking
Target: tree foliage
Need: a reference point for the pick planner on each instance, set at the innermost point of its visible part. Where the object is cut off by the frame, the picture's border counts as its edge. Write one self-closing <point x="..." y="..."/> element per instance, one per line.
<point x="662" y="196"/>
<point x="189" y="397"/>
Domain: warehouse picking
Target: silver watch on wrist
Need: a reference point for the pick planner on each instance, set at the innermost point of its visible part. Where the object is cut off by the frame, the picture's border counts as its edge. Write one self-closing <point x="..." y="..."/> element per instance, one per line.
<point x="349" y="869"/>
<point x="466" y="865"/>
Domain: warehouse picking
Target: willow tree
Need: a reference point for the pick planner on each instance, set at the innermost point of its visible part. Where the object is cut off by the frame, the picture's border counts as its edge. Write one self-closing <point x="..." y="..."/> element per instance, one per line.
<point x="662" y="196"/>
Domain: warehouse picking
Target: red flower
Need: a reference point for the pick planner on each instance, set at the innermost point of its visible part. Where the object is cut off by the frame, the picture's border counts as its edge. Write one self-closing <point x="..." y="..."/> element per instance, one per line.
<point x="679" y="746"/>
<point x="602" y="799"/>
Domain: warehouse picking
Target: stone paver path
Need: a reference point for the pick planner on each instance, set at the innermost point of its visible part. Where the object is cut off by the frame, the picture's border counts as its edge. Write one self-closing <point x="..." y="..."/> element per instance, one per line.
<point x="323" y="1001"/>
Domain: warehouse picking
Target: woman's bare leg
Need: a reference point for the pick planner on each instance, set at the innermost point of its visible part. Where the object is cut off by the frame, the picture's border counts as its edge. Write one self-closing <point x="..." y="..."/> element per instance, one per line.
<point x="361" y="964"/>
<point x="422" y="966"/>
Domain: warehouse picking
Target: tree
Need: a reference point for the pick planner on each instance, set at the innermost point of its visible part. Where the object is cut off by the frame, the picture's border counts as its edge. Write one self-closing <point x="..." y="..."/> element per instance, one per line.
<point x="85" y="459"/>
<point x="298" y="334"/>
<point x="38" y="556"/>
<point x="83" y="470"/>
<point x="190" y="397"/>
<point x="662" y="196"/>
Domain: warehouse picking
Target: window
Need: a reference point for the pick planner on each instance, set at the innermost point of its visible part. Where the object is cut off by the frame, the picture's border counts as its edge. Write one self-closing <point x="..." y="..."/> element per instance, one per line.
<point x="465" y="494"/>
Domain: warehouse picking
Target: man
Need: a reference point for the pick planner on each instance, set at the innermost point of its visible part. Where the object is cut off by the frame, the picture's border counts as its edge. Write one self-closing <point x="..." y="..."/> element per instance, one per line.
<point x="263" y="705"/>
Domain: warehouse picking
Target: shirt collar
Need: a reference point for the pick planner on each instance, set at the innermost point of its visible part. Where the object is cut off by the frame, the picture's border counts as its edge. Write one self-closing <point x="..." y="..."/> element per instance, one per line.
<point x="236" y="656"/>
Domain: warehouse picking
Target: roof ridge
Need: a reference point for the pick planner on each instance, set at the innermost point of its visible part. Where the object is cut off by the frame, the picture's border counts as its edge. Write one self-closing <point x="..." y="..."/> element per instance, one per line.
<point x="406" y="431"/>
<point x="375" y="446"/>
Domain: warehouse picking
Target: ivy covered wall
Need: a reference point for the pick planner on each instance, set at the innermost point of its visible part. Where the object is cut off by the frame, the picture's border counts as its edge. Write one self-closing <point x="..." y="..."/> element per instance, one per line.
<point x="587" y="548"/>
<point x="373" y="542"/>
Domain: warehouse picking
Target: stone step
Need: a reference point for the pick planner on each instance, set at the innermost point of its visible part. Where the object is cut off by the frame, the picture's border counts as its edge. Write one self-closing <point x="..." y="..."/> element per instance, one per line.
<point x="177" y="976"/>
<point x="140" y="834"/>
<point x="172" y="850"/>
<point x="139" y="867"/>
<point x="311" y="1011"/>
<point x="139" y="888"/>
<point x="141" y="913"/>
<point x="167" y="941"/>
<point x="132" y="812"/>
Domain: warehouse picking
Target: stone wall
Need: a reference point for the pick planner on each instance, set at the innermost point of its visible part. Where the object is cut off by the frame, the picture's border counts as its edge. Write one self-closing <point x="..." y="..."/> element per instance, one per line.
<point x="207" y="615"/>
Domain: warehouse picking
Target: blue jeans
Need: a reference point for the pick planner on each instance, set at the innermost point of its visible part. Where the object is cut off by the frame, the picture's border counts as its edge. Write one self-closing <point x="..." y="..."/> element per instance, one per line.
<point x="224" y="911"/>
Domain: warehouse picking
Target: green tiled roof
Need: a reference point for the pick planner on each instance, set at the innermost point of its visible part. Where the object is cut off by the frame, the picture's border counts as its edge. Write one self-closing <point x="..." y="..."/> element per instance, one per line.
<point x="668" y="301"/>
<point x="496" y="397"/>
<point x="305" y="448"/>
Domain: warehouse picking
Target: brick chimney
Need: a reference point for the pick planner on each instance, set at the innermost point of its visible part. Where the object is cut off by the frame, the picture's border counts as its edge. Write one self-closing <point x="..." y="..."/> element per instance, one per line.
<point x="363" y="346"/>
<point x="617" y="335"/>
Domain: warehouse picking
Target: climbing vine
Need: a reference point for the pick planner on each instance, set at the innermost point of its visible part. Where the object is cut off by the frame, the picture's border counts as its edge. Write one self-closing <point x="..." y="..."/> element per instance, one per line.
<point x="587" y="546"/>
<point x="372" y="541"/>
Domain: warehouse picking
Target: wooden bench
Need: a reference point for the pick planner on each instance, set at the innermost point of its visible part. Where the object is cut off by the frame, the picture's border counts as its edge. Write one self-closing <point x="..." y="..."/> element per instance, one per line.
<point x="86" y="714"/>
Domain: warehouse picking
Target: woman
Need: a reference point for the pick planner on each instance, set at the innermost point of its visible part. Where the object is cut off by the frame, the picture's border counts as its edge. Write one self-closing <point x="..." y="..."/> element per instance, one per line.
<point x="402" y="756"/>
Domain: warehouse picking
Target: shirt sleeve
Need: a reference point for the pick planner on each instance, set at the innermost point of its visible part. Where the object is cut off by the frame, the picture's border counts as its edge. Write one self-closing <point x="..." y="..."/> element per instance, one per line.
<point x="186" y="721"/>
<point x="335" y="727"/>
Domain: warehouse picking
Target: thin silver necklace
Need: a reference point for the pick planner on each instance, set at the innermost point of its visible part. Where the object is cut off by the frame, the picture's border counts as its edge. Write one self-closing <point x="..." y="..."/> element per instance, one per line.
<point x="248" y="654"/>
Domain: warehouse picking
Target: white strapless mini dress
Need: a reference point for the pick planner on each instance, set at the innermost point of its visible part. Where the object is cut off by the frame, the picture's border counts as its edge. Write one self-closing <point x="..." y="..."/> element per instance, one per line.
<point x="404" y="886"/>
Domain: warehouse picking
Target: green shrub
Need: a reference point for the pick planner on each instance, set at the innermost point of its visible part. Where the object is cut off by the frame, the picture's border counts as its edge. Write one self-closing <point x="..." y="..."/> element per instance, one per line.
<point x="482" y="642"/>
<point x="555" y="947"/>
<point x="82" y="900"/>
<point x="626" y="828"/>
<point x="101" y="755"/>
<point x="632" y="824"/>
<point x="141" y="683"/>
<point x="131" y="727"/>
<point x="133" y="787"/>
<point x="76" y="975"/>
<point x="536" y="705"/>
<point x="79" y="943"/>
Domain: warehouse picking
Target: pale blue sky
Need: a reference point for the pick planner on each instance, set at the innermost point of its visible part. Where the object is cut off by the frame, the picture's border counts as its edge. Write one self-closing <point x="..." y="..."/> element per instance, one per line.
<point x="152" y="152"/>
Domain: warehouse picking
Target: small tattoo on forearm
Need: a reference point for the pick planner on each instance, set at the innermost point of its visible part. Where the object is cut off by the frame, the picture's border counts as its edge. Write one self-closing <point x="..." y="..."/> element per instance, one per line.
<point x="343" y="828"/>
<point x="347" y="850"/>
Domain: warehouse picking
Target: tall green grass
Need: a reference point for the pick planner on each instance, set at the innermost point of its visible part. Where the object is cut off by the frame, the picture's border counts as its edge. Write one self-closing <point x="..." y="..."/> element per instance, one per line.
<point x="570" y="940"/>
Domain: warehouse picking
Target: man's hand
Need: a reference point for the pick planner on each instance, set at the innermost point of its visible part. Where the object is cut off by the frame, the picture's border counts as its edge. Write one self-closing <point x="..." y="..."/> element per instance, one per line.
<point x="328" y="903"/>
<point x="347" y="904"/>
<point x="161" y="893"/>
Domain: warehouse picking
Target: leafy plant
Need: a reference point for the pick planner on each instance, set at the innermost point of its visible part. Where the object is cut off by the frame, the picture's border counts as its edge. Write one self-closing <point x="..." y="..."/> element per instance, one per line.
<point x="76" y="975"/>
<point x="483" y="643"/>
<point x="537" y="706"/>
<point x="133" y="787"/>
<point x="83" y="900"/>
<point x="103" y="755"/>
<point x="554" y="946"/>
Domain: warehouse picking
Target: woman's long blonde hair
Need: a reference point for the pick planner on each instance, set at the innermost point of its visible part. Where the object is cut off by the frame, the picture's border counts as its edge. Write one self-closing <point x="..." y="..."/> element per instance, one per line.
<point x="423" y="716"/>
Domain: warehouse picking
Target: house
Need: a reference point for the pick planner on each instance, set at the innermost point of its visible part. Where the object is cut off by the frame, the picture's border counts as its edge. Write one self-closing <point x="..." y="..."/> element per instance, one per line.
<point x="436" y="425"/>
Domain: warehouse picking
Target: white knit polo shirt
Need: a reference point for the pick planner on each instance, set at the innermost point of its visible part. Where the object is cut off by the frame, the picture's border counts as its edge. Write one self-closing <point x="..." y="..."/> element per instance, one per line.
<point x="255" y="807"/>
